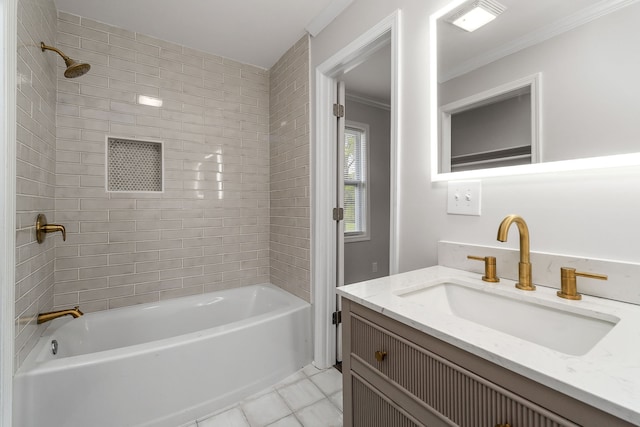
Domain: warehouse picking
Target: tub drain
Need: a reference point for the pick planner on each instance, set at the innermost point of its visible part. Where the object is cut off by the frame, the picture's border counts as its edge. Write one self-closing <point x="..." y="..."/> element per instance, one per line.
<point x="54" y="347"/>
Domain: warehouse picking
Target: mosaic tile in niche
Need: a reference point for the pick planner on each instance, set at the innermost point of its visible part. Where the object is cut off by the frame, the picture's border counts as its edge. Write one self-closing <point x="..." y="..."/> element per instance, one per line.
<point x="134" y="165"/>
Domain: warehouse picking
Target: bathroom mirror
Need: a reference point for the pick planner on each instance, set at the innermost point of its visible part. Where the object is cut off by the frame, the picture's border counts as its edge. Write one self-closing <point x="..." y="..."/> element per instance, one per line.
<point x="584" y="54"/>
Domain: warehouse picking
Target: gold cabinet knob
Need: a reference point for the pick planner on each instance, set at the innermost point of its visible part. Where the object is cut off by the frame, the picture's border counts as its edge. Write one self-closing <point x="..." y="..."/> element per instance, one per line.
<point x="489" y="267"/>
<point x="568" y="285"/>
<point x="380" y="355"/>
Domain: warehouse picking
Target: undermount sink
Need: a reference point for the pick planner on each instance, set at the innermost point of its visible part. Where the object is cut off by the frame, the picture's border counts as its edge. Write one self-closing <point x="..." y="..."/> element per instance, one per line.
<point x="548" y="324"/>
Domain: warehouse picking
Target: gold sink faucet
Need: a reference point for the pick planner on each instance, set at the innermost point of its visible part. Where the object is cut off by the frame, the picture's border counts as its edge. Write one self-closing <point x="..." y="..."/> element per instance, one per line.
<point x="45" y="317"/>
<point x="524" y="267"/>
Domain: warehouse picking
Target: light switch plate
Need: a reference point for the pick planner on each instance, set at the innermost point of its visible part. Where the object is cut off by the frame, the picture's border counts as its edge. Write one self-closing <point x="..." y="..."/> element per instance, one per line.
<point x="463" y="198"/>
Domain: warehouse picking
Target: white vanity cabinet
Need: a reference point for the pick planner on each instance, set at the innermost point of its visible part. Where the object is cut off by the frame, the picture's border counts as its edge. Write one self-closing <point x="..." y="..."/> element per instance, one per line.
<point x="395" y="375"/>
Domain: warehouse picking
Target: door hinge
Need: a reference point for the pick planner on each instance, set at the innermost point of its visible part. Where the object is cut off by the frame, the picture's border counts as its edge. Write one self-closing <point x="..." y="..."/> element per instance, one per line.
<point x="336" y="317"/>
<point x="338" y="110"/>
<point x="338" y="214"/>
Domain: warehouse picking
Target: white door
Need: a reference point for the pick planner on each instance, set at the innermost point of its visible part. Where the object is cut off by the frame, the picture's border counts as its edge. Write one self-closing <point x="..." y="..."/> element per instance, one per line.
<point x="339" y="112"/>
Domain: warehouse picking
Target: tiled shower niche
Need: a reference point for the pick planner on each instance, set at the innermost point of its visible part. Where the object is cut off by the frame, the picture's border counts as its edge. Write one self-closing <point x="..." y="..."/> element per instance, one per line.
<point x="134" y="165"/>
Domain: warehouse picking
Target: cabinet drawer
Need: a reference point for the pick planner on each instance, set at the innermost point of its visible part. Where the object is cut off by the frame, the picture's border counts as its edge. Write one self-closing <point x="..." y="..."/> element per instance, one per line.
<point x="458" y="394"/>
<point x="373" y="409"/>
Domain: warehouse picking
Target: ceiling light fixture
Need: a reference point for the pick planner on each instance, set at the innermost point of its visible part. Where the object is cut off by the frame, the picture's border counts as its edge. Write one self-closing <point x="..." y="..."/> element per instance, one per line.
<point x="475" y="14"/>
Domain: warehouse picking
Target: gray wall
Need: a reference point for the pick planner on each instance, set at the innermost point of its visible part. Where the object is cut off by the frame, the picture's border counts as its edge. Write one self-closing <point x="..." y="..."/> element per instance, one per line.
<point x="290" y="201"/>
<point x="209" y="230"/>
<point x="35" y="168"/>
<point x="505" y="124"/>
<point x="359" y="256"/>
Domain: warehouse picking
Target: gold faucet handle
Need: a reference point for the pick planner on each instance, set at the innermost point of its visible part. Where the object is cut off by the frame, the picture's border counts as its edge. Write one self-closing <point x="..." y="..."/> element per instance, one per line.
<point x="568" y="284"/>
<point x="489" y="267"/>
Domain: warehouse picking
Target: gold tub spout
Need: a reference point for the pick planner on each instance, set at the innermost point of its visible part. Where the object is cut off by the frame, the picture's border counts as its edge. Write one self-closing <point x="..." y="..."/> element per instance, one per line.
<point x="42" y="228"/>
<point x="45" y="317"/>
<point x="524" y="267"/>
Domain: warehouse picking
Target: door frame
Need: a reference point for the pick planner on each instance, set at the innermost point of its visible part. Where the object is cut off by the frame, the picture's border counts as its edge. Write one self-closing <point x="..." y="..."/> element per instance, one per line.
<point x="8" y="106"/>
<point x="324" y="264"/>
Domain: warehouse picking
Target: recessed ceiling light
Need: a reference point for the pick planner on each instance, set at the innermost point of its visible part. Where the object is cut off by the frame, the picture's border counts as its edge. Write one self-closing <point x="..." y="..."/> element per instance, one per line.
<point x="475" y="14"/>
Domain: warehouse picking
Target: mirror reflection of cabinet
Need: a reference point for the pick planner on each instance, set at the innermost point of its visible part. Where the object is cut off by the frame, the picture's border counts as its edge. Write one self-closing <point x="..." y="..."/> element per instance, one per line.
<point x="495" y="128"/>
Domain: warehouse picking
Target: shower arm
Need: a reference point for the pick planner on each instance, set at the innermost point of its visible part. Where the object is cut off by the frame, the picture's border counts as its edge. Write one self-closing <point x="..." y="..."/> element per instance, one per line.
<point x="45" y="47"/>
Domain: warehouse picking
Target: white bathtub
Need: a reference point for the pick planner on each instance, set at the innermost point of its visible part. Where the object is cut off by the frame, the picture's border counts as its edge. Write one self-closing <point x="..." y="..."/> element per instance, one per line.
<point x="162" y="364"/>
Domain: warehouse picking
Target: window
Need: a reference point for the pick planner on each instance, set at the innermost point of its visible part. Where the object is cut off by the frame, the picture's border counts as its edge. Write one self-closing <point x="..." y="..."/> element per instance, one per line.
<point x="356" y="176"/>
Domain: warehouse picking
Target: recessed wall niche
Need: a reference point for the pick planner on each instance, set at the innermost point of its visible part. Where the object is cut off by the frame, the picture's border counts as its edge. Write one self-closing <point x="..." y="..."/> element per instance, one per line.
<point x="134" y="165"/>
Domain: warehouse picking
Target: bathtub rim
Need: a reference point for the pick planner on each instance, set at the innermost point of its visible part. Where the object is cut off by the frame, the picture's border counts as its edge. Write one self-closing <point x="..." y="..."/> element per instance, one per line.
<point x="34" y="363"/>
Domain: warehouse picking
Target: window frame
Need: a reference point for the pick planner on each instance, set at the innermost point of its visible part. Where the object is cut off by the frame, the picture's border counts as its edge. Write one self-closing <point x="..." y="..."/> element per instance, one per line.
<point x="359" y="236"/>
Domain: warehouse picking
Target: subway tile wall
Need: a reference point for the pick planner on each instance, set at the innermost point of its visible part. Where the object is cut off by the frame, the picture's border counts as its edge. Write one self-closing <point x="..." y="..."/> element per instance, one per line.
<point x="233" y="211"/>
<point x="35" y="168"/>
<point x="290" y="191"/>
<point x="209" y="229"/>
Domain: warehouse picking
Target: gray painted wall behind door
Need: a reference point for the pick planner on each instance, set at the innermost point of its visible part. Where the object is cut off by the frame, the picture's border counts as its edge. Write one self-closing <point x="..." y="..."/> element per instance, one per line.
<point x="359" y="256"/>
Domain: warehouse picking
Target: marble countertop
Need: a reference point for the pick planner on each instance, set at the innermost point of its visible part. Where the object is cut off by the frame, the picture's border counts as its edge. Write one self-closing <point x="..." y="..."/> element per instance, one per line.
<point x="606" y="377"/>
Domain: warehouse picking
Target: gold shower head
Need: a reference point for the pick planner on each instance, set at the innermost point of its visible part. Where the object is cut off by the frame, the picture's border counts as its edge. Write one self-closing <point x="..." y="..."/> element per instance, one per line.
<point x="74" y="68"/>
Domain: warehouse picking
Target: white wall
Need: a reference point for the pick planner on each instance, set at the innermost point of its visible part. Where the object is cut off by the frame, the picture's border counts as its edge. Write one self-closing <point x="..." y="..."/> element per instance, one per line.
<point x="589" y="213"/>
<point x="359" y="256"/>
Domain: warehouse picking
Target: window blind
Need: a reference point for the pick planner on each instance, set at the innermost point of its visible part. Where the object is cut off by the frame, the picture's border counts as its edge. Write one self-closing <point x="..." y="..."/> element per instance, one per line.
<point x="355" y="188"/>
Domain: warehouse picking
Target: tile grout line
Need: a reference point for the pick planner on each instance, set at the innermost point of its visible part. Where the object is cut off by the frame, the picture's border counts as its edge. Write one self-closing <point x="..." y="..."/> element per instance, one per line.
<point x="306" y="377"/>
<point x="326" y="396"/>
<point x="276" y="388"/>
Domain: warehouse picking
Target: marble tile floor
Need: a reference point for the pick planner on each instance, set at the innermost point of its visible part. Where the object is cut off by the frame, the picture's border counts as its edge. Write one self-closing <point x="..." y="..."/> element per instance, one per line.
<point x="309" y="398"/>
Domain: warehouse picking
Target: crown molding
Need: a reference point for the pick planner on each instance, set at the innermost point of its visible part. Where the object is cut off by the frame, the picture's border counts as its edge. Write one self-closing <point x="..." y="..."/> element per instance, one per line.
<point x="324" y="18"/>
<point x="368" y="101"/>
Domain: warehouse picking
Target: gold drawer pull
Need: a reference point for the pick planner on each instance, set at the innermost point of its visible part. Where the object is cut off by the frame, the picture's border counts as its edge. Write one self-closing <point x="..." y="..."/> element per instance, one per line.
<point x="503" y="425"/>
<point x="380" y="355"/>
